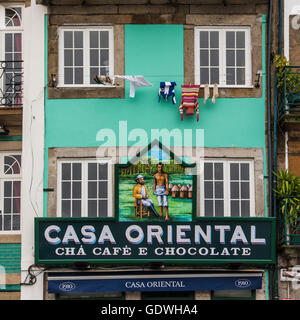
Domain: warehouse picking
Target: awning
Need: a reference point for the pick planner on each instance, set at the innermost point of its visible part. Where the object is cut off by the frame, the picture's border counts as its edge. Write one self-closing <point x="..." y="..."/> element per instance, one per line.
<point x="92" y="282"/>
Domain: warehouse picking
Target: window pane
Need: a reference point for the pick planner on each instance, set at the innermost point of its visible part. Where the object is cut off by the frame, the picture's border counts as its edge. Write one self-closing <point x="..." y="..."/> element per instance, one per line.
<point x="76" y="171"/>
<point x="92" y="171"/>
<point x="235" y="209"/>
<point x="240" y="76"/>
<point x="230" y="58"/>
<point x="68" y="39"/>
<point x="219" y="208"/>
<point x="240" y="39"/>
<point x="7" y="222"/>
<point x="94" y="57"/>
<point x="8" y="42"/>
<point x="240" y="58"/>
<point x="214" y="76"/>
<point x="66" y="190"/>
<point x="79" y="58"/>
<point x="103" y="171"/>
<point x="92" y="208"/>
<point x="7" y="205"/>
<point x="66" y="208"/>
<point x="103" y="208"/>
<point x="94" y="39"/>
<point x="230" y="39"/>
<point x="93" y="72"/>
<point x="204" y="58"/>
<point x="230" y="76"/>
<point x="78" y="75"/>
<point x="16" y="205"/>
<point x="234" y="190"/>
<point x="208" y="171"/>
<point x="66" y="171"/>
<point x="76" y="190"/>
<point x="208" y="190"/>
<point x="68" y="58"/>
<point x="104" y="57"/>
<point x="68" y="76"/>
<point x="102" y="189"/>
<point x="7" y="189"/>
<point x="104" y="71"/>
<point x="245" y="208"/>
<point x="92" y="190"/>
<point x="203" y="39"/>
<point x="214" y="39"/>
<point x="209" y="208"/>
<point x="245" y="190"/>
<point x="104" y="39"/>
<point x="204" y="75"/>
<point x="219" y="192"/>
<point x="78" y="39"/>
<point x="17" y="188"/>
<point x="244" y="171"/>
<point x="214" y="57"/>
<point x="16" y="222"/>
<point x="234" y="171"/>
<point x="1" y="223"/>
<point x="76" y="208"/>
<point x="218" y="171"/>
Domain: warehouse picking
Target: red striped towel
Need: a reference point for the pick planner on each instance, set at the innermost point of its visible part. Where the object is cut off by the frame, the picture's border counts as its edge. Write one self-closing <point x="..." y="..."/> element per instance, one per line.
<point x="189" y="100"/>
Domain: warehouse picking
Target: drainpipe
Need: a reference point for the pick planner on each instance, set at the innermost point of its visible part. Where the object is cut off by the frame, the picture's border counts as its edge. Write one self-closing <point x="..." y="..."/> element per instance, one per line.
<point x="270" y="166"/>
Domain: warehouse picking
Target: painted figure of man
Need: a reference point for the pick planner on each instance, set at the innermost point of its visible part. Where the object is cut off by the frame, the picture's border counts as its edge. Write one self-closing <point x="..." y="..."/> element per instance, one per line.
<point x="161" y="189"/>
<point x="140" y="193"/>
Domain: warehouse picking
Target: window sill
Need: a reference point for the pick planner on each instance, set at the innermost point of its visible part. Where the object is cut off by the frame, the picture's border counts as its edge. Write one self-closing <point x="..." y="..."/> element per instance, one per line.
<point x="92" y="92"/>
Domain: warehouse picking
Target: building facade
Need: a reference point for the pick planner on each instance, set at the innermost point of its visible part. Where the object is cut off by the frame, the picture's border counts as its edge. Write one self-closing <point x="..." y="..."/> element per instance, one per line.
<point x="129" y="87"/>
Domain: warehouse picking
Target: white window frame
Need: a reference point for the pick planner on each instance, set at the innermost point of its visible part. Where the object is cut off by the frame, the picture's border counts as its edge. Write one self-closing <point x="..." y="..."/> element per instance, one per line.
<point x="3" y="178"/>
<point x="226" y="178"/>
<point x="222" y="55"/>
<point x="84" y="186"/>
<point x="86" y="54"/>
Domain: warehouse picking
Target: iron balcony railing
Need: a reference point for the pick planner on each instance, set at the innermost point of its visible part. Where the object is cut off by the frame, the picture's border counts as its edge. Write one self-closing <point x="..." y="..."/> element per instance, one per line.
<point x="289" y="222"/>
<point x="11" y="83"/>
<point x="290" y="92"/>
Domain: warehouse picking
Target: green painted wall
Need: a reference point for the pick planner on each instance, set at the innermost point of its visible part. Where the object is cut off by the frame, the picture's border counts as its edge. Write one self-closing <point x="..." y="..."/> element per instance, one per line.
<point x="155" y="51"/>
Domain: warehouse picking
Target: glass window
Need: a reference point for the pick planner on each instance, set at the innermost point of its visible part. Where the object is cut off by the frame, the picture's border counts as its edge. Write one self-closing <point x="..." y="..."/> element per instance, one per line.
<point x="84" y="189"/>
<point x="85" y="53"/>
<point x="222" y="56"/>
<point x="233" y="295"/>
<point x="227" y="188"/>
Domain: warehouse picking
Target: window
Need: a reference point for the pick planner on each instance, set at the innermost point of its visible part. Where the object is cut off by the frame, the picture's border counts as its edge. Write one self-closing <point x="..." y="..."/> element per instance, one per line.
<point x="227" y="188"/>
<point x="233" y="295"/>
<point x="84" y="188"/>
<point x="10" y="191"/>
<point x="223" y="57"/>
<point x="84" y="53"/>
<point x="11" y="56"/>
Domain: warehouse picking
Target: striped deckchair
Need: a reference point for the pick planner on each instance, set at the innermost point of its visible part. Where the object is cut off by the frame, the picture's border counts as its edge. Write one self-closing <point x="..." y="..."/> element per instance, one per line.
<point x="189" y="100"/>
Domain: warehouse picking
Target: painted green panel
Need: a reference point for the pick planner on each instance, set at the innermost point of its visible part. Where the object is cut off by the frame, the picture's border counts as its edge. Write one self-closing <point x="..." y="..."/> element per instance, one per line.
<point x="10" y="258"/>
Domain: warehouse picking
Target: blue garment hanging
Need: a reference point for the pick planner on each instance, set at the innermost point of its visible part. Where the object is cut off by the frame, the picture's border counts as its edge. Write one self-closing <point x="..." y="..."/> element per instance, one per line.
<point x="166" y="90"/>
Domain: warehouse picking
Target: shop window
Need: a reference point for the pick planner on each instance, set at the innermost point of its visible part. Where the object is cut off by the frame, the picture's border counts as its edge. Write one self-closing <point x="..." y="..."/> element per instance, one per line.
<point x="91" y="296"/>
<point x="84" y="188"/>
<point x="10" y="192"/>
<point x="83" y="54"/>
<point x="233" y="295"/>
<point x="227" y="188"/>
<point x="223" y="56"/>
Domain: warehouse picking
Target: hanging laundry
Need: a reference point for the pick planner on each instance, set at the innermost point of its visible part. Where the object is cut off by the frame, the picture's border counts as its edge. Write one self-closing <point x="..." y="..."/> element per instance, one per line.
<point x="166" y="90"/>
<point x="135" y="82"/>
<point x="215" y="93"/>
<point x="206" y="93"/>
<point x="189" y="100"/>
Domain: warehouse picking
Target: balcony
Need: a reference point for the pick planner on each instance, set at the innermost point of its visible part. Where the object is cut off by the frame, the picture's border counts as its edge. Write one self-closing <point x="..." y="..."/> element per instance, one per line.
<point x="289" y="221"/>
<point x="289" y="99"/>
<point x="11" y="79"/>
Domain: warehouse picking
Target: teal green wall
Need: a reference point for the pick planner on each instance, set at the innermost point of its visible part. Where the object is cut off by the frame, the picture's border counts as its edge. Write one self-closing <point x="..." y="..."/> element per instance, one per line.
<point x="155" y="51"/>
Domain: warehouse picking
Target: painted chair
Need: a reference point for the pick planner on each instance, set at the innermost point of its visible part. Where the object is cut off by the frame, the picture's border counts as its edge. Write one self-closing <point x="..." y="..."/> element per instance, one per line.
<point x="140" y="210"/>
